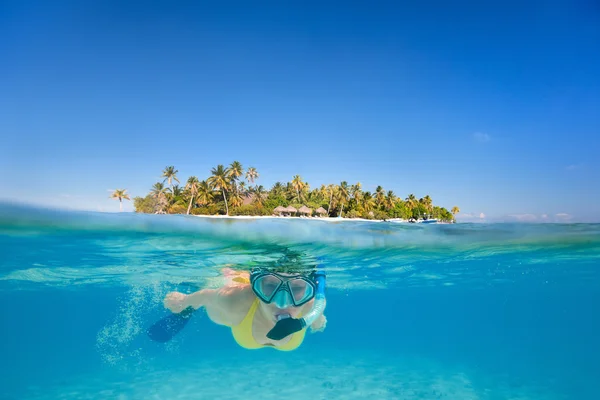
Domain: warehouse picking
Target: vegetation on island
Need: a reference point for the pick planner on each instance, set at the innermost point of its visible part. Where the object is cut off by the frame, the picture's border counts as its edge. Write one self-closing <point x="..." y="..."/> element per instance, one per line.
<point x="233" y="191"/>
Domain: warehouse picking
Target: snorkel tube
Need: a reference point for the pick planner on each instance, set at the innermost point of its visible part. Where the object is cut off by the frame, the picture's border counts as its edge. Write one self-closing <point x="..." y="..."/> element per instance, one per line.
<point x="287" y="326"/>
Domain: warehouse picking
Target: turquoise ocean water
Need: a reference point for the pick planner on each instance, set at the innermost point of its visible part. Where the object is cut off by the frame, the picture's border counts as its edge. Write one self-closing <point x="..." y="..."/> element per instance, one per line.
<point x="463" y="311"/>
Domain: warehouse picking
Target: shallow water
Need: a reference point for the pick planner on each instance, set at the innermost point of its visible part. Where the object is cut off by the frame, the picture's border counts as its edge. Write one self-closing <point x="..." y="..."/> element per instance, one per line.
<point x="414" y="311"/>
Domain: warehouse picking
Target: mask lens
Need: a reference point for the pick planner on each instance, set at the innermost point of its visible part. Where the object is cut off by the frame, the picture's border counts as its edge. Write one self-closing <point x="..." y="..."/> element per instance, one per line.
<point x="300" y="290"/>
<point x="267" y="286"/>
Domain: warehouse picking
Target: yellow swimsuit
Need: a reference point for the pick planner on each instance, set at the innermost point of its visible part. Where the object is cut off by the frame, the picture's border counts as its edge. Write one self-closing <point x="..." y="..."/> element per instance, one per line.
<point x="242" y="333"/>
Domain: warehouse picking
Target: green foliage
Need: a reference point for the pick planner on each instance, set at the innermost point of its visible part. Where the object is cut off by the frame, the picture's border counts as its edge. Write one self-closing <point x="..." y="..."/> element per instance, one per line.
<point x="367" y="214"/>
<point x="146" y="204"/>
<point x="418" y="211"/>
<point x="212" y="209"/>
<point x="313" y="205"/>
<point x="352" y="214"/>
<point x="226" y="183"/>
<point x="249" y="209"/>
<point x="275" y="200"/>
<point x="400" y="210"/>
<point x="378" y="214"/>
<point x="177" y="209"/>
<point x="442" y="214"/>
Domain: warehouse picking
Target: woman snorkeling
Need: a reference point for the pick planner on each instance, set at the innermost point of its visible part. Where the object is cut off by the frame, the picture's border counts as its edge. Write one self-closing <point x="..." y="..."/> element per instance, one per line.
<point x="268" y="307"/>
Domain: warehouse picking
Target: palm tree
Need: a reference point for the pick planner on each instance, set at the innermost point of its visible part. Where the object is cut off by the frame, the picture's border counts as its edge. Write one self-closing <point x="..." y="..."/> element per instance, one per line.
<point x="170" y="175"/>
<point x="242" y="188"/>
<point x="176" y="192"/>
<point x="390" y="200"/>
<point x="120" y="194"/>
<point x="343" y="190"/>
<point x="368" y="202"/>
<point x="251" y="174"/>
<point x="236" y="170"/>
<point x="331" y="191"/>
<point x="159" y="192"/>
<point x="379" y="196"/>
<point x="411" y="201"/>
<point x="323" y="193"/>
<point x="219" y="180"/>
<point x="355" y="191"/>
<point x="259" y="193"/>
<point x="277" y="188"/>
<point x="205" y="193"/>
<point x="289" y="191"/>
<point x="298" y="185"/>
<point x="229" y="182"/>
<point x="192" y="187"/>
<point x="315" y="196"/>
<point x="427" y="202"/>
<point x="236" y="199"/>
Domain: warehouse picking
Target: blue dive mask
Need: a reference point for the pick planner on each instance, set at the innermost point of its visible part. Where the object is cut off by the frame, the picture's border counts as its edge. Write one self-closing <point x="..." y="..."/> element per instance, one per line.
<point x="283" y="290"/>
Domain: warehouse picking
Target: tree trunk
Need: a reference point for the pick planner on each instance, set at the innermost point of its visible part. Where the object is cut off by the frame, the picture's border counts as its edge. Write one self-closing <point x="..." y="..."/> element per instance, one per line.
<point x="226" y="207"/>
<point x="121" y="205"/>
<point x="330" y="200"/>
<point x="190" y="205"/>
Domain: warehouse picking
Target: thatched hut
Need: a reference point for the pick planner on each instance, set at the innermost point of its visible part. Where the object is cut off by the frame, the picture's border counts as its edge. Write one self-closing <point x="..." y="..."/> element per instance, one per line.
<point x="291" y="210"/>
<point x="305" y="210"/>
<point x="279" y="210"/>
<point x="321" y="211"/>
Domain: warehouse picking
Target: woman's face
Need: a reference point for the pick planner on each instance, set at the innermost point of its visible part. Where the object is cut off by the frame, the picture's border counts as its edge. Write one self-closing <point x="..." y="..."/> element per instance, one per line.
<point x="282" y="305"/>
<point x="275" y="313"/>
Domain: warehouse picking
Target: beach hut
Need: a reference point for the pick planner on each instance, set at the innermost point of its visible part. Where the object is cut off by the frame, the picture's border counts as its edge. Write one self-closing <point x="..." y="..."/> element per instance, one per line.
<point x="279" y="210"/>
<point x="291" y="210"/>
<point x="305" y="210"/>
<point x="321" y="211"/>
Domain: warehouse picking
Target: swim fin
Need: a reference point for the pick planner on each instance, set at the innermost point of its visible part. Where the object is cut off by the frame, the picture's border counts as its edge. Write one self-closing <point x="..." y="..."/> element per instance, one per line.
<point x="166" y="328"/>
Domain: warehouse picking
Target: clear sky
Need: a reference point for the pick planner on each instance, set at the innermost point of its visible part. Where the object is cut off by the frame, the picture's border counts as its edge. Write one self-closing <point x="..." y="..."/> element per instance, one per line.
<point x="494" y="108"/>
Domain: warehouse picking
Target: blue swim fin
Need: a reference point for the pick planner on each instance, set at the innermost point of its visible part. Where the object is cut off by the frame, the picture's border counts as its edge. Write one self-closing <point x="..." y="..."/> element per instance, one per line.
<point x="166" y="328"/>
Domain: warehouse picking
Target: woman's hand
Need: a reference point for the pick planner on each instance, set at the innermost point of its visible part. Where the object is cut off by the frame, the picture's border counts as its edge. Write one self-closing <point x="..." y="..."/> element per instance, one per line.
<point x="176" y="302"/>
<point x="319" y="325"/>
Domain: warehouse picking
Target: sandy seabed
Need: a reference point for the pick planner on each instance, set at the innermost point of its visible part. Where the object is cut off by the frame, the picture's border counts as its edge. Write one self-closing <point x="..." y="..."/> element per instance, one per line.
<point x="300" y="377"/>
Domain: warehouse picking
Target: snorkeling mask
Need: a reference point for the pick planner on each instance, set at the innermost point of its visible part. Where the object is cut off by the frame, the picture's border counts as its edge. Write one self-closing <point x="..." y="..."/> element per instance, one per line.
<point x="290" y="290"/>
<point x="284" y="291"/>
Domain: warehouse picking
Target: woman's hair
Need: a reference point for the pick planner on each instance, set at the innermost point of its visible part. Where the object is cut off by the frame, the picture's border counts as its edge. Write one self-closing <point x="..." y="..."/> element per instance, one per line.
<point x="292" y="262"/>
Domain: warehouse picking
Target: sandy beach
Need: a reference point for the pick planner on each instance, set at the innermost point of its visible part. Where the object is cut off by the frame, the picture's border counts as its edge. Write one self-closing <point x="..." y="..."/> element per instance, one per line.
<point x="329" y="219"/>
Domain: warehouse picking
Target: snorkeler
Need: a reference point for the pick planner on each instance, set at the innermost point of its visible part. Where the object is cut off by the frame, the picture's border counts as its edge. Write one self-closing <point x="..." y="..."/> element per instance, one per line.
<point x="264" y="308"/>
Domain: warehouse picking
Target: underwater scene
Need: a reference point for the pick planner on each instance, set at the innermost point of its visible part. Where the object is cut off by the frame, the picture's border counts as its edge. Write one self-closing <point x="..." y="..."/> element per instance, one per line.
<point x="412" y="311"/>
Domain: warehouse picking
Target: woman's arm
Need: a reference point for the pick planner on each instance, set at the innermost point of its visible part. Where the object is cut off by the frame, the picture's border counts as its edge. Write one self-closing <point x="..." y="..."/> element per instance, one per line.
<point x="224" y="306"/>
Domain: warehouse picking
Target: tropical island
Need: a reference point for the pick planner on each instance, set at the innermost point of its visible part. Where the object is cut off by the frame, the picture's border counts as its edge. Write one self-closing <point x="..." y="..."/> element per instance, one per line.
<point x="231" y="191"/>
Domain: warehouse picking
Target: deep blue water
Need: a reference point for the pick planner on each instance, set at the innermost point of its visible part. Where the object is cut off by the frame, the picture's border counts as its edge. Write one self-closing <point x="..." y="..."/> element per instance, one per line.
<point x="414" y="312"/>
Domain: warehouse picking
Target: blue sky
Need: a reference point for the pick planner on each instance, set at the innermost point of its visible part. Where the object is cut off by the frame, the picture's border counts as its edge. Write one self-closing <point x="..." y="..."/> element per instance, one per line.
<point x="493" y="108"/>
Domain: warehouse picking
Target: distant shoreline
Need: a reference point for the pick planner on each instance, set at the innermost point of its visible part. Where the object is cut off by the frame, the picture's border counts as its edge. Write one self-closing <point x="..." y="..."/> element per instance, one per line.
<point x="225" y="193"/>
<point x="326" y="219"/>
